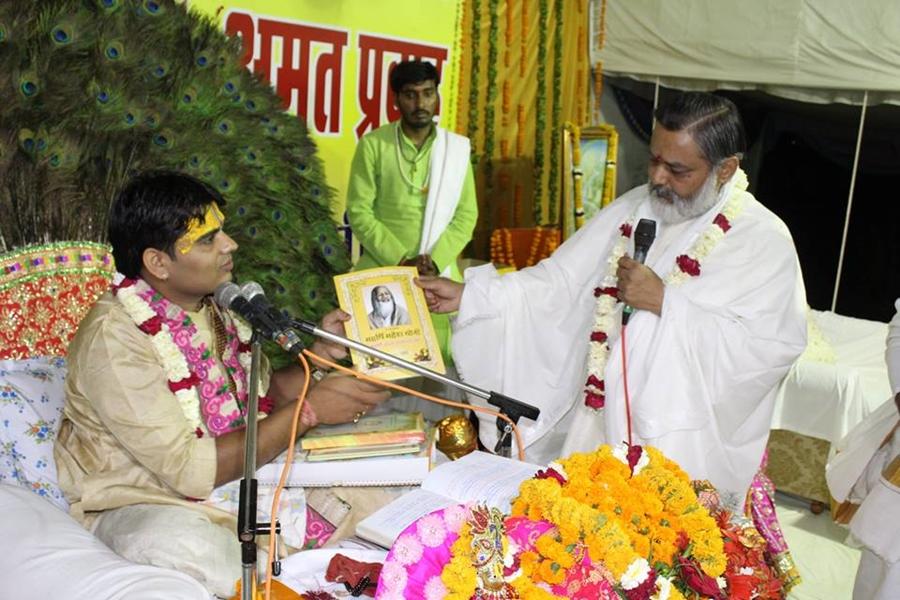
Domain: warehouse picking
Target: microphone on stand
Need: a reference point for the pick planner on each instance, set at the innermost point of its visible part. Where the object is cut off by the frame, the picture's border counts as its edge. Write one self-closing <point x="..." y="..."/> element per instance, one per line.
<point x="257" y="311"/>
<point x="644" y="234"/>
<point x="285" y="335"/>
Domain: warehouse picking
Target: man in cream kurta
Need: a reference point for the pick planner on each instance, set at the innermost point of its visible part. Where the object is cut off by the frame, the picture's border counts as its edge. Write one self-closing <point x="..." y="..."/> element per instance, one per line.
<point x="141" y="441"/>
<point x="126" y="446"/>
<point x="705" y="352"/>
<point x="411" y="195"/>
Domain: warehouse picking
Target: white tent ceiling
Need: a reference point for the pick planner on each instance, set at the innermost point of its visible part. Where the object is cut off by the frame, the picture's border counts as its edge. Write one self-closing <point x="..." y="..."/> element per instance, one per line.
<point x="811" y="50"/>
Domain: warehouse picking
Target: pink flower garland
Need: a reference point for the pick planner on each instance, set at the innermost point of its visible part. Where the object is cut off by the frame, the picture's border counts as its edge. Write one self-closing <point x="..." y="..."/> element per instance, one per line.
<point x="190" y="365"/>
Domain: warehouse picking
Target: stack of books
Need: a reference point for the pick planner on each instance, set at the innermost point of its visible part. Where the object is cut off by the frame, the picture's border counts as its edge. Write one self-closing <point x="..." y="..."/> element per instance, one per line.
<point x="392" y="449"/>
<point x="377" y="435"/>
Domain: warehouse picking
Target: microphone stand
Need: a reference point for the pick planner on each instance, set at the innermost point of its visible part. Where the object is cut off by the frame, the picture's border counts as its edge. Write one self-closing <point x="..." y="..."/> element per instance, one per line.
<point x="247" y="527"/>
<point x="508" y="406"/>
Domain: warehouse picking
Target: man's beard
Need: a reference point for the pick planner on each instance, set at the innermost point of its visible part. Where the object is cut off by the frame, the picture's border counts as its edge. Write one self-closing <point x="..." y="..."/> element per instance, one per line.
<point x="385" y="309"/>
<point x="419" y="119"/>
<point x="672" y="208"/>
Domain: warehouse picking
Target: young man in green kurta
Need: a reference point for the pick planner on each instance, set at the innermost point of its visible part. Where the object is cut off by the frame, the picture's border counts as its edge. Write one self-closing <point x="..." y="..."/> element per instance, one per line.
<point x="393" y="210"/>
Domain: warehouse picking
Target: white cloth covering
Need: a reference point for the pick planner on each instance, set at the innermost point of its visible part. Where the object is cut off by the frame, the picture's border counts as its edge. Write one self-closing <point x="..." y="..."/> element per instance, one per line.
<point x="702" y="378"/>
<point x="852" y="454"/>
<point x="874" y="527"/>
<point x="175" y="537"/>
<point x="449" y="163"/>
<point x="47" y="554"/>
<point x="826" y="400"/>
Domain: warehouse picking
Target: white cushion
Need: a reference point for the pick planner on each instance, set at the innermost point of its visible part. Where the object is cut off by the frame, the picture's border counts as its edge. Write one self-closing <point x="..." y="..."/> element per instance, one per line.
<point x="47" y="554"/>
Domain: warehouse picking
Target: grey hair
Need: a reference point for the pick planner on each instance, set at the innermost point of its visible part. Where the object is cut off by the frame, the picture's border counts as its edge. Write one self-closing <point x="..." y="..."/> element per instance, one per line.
<point x="713" y="121"/>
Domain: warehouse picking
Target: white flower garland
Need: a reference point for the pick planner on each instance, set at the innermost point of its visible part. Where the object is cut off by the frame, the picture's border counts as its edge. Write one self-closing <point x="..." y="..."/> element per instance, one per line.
<point x="603" y="322"/>
<point x="173" y="361"/>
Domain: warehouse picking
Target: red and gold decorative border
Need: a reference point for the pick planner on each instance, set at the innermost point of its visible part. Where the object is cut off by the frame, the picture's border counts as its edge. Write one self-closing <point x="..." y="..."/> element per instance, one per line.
<point x="45" y="291"/>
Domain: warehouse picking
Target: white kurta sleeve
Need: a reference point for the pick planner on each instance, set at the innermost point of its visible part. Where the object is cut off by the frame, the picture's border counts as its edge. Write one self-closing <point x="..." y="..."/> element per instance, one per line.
<point x="892" y="354"/>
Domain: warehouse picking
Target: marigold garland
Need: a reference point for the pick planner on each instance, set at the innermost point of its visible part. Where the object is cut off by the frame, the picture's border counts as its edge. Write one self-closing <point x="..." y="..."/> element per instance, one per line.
<point x="523" y="42"/>
<point x="455" y="73"/>
<point x="618" y="523"/>
<point x="520" y="130"/>
<point x="491" y="92"/>
<point x="601" y="25"/>
<point x="540" y="116"/>
<point x="619" y="517"/>
<point x="458" y="575"/>
<point x="508" y="35"/>
<point x="556" y="113"/>
<point x="597" y="74"/>
<point x="503" y="253"/>
<point x="475" y="40"/>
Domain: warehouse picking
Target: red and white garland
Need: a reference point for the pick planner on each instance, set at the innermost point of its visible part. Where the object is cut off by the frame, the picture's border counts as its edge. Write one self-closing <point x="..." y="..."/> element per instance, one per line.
<point x="194" y="375"/>
<point x="686" y="266"/>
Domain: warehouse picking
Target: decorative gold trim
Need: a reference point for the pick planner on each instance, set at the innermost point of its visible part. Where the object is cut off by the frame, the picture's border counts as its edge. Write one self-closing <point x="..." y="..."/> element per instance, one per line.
<point x="58" y="258"/>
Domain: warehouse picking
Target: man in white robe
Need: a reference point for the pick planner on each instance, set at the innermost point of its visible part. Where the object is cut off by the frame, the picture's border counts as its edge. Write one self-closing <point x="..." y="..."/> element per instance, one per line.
<point x="705" y="351"/>
<point x="865" y="477"/>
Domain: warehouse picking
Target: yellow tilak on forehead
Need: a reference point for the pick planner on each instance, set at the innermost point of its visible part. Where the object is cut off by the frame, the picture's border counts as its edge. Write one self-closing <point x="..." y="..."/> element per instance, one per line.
<point x="212" y="220"/>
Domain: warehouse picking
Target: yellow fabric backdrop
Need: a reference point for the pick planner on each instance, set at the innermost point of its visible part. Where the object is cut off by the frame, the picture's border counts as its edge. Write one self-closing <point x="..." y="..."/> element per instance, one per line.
<point x="351" y="29"/>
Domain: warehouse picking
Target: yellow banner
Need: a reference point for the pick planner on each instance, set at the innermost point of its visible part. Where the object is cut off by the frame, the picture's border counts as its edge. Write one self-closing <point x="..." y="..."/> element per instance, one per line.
<point x="329" y="62"/>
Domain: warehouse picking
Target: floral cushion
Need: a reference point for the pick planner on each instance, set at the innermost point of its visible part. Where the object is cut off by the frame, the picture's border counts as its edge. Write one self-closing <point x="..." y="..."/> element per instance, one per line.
<point x="31" y="403"/>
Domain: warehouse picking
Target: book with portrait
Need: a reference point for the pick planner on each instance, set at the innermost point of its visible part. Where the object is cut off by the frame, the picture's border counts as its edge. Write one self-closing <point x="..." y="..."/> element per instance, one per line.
<point x="389" y="314"/>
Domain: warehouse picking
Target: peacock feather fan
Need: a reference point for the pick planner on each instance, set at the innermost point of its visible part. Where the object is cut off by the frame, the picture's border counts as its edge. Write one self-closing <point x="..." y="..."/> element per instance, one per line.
<point x="95" y="91"/>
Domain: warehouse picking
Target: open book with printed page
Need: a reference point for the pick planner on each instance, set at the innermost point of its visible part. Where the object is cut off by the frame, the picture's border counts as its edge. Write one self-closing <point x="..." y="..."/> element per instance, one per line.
<point x="477" y="477"/>
<point x="389" y="314"/>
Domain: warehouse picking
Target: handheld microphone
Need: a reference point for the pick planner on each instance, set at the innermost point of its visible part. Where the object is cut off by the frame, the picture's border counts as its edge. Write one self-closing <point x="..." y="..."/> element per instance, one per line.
<point x="284" y="334"/>
<point x="644" y="234"/>
<point x="261" y="316"/>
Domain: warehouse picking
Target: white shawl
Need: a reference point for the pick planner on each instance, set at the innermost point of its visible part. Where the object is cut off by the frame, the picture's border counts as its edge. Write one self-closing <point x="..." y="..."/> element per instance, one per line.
<point x="449" y="163"/>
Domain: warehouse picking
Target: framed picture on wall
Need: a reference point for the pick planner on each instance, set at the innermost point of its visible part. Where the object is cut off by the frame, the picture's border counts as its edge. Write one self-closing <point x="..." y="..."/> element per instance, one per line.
<point x="590" y="172"/>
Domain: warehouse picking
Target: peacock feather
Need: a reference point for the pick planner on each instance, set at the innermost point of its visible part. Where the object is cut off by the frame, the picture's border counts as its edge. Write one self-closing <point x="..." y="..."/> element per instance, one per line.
<point x="95" y="91"/>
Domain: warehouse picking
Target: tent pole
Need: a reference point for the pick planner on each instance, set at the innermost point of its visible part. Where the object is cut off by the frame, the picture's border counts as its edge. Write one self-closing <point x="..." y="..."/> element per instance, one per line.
<point x="837" y="278"/>
<point x="655" y="104"/>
